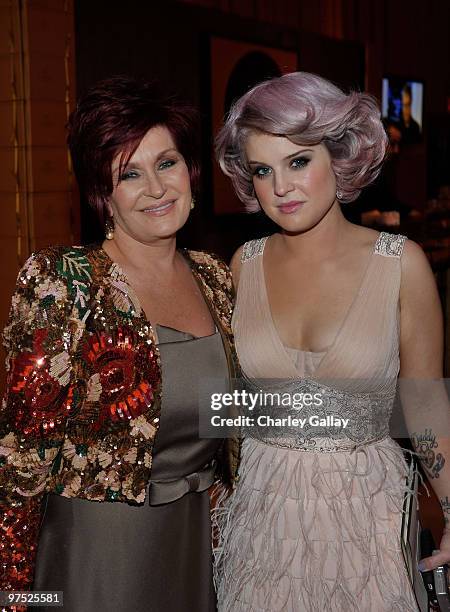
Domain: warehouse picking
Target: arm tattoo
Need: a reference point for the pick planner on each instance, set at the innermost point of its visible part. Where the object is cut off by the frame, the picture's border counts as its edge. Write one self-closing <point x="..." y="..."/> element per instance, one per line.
<point x="445" y="503"/>
<point x="425" y="444"/>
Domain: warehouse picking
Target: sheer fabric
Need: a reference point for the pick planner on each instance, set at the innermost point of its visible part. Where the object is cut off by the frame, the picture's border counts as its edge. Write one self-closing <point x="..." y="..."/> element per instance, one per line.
<point x="315" y="524"/>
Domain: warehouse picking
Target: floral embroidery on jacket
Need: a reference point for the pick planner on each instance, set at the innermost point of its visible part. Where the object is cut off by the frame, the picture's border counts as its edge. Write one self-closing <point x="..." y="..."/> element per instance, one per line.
<point x="83" y="398"/>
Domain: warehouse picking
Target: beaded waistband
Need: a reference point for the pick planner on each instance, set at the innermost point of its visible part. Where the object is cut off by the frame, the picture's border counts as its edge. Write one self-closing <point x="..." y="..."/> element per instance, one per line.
<point x="319" y="445"/>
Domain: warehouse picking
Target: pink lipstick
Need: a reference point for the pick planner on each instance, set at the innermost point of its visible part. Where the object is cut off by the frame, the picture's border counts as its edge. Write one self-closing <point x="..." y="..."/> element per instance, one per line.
<point x="160" y="209"/>
<point x="288" y="208"/>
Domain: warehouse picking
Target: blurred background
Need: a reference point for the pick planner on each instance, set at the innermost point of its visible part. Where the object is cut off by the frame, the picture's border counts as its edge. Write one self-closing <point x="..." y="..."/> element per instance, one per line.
<point x="210" y="52"/>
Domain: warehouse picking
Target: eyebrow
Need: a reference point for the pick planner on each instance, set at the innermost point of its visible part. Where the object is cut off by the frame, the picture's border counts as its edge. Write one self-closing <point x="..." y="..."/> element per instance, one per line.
<point x="299" y="152"/>
<point x="167" y="151"/>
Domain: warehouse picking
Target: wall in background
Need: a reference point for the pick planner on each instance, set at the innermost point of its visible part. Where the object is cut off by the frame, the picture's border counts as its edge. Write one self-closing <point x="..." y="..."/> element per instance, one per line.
<point x="37" y="89"/>
<point x="409" y="37"/>
<point x="171" y="44"/>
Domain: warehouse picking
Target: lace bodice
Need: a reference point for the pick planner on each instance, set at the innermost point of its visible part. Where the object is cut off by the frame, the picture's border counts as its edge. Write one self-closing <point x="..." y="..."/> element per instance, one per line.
<point x="355" y="378"/>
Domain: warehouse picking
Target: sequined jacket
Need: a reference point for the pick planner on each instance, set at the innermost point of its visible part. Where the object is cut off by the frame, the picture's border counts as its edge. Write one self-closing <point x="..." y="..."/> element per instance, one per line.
<point x="83" y="399"/>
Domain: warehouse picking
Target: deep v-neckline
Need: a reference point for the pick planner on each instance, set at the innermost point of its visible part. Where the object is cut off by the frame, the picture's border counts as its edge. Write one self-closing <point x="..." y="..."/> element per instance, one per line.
<point x="342" y="325"/>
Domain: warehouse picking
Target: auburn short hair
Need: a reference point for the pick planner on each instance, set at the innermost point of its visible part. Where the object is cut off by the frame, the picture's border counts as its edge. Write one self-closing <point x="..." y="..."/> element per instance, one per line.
<point x="111" y="119"/>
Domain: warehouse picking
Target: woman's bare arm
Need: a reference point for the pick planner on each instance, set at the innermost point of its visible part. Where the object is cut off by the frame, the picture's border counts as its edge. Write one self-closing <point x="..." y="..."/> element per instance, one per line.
<point x="422" y="390"/>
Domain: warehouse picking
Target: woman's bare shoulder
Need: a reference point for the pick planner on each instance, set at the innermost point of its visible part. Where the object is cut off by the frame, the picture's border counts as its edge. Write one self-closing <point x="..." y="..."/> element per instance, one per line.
<point x="418" y="285"/>
<point x="364" y="237"/>
<point x="415" y="265"/>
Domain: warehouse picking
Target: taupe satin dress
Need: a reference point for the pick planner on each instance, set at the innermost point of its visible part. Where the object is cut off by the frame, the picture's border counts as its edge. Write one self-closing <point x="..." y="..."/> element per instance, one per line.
<point x="111" y="557"/>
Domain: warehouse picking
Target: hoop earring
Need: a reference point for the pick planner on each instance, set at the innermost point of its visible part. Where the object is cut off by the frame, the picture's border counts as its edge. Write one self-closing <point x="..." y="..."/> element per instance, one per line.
<point x="192" y="203"/>
<point x="109" y="228"/>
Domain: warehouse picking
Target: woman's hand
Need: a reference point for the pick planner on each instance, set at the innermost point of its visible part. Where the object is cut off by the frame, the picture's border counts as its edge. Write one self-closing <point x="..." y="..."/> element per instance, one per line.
<point x="440" y="558"/>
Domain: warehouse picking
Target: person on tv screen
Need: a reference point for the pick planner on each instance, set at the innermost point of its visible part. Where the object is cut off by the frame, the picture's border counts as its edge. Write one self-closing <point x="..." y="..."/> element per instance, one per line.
<point x="409" y="127"/>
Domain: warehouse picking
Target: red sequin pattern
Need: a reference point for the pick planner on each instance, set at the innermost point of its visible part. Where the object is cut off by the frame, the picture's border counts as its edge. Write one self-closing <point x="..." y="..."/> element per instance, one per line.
<point x="83" y="395"/>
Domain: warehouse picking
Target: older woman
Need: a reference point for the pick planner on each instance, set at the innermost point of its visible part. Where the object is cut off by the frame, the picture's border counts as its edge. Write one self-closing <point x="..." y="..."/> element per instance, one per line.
<point x="334" y="312"/>
<point x="104" y="471"/>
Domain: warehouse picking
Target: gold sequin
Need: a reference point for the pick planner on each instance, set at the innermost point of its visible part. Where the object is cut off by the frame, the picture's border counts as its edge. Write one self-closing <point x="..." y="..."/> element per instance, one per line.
<point x="83" y="400"/>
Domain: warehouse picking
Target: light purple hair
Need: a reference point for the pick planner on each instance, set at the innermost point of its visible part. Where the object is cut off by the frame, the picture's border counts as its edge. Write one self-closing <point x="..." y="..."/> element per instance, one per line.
<point x="308" y="110"/>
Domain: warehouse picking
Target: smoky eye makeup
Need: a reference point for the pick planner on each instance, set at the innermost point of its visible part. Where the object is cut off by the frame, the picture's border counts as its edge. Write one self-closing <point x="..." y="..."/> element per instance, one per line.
<point x="300" y="162"/>
<point x="128" y="174"/>
<point x="260" y="171"/>
<point x="124" y="172"/>
<point x="166" y="163"/>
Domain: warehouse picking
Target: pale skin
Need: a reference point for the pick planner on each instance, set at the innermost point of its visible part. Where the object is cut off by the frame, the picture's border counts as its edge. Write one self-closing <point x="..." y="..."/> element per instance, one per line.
<point x="150" y="202"/>
<point x="314" y="266"/>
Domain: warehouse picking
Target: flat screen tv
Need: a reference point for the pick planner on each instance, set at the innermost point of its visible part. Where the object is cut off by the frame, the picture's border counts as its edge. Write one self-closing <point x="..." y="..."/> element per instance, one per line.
<point x="402" y="107"/>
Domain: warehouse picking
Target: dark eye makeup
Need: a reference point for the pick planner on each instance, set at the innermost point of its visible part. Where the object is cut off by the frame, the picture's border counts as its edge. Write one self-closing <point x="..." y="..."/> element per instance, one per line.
<point x="128" y="174"/>
<point x="131" y="173"/>
<point x="300" y="162"/>
<point x="296" y="163"/>
<point x="261" y="171"/>
<point x="166" y="163"/>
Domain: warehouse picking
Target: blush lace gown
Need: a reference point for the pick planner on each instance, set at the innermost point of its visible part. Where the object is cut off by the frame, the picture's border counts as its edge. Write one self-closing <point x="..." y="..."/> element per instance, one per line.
<point x="315" y="521"/>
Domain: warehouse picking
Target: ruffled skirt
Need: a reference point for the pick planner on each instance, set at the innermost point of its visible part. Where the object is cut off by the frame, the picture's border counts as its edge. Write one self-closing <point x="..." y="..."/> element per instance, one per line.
<point x="314" y="531"/>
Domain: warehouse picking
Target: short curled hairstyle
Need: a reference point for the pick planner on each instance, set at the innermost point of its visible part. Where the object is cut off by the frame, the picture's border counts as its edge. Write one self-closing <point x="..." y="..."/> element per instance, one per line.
<point x="111" y="119"/>
<point x="308" y="110"/>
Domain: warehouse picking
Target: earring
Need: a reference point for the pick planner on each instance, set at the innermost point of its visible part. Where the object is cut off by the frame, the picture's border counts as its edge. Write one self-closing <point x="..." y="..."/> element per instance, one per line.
<point x="109" y="228"/>
<point x="339" y="194"/>
<point x="192" y="203"/>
